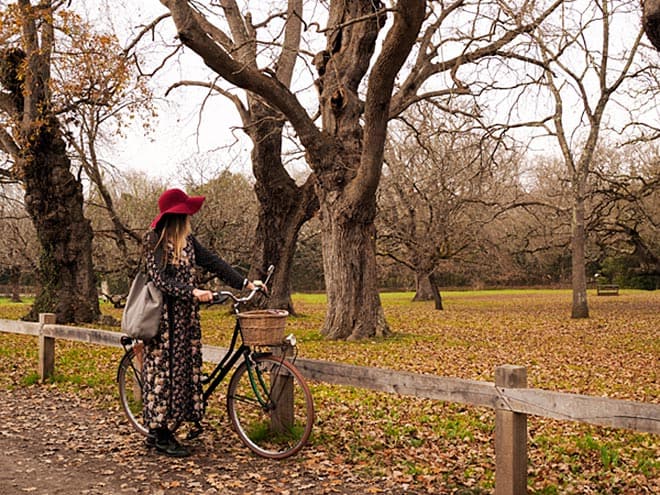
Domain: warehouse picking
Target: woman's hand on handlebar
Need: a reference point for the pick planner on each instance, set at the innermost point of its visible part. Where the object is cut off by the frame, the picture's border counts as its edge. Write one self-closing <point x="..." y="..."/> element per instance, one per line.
<point x="207" y="296"/>
<point x="203" y="295"/>
<point x="256" y="285"/>
<point x="260" y="286"/>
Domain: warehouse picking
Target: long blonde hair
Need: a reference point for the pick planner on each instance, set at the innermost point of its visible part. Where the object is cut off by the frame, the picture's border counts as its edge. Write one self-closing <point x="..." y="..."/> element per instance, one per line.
<point x="176" y="229"/>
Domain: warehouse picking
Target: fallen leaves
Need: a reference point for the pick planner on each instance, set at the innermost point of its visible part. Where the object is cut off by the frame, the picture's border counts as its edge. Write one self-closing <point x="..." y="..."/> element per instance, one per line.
<point x="367" y="442"/>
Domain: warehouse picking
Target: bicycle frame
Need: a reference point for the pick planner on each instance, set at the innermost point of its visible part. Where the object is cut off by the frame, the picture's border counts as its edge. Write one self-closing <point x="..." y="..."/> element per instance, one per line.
<point x="227" y="363"/>
<point x="220" y="372"/>
<point x="268" y="402"/>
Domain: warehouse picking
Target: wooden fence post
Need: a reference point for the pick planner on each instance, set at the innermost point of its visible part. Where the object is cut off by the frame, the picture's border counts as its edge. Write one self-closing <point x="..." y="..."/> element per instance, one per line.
<point x="510" y="436"/>
<point x="283" y="416"/>
<point x="46" y="348"/>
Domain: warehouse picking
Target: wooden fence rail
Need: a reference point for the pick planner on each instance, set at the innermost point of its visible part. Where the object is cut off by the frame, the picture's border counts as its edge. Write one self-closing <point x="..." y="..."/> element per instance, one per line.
<point x="508" y="396"/>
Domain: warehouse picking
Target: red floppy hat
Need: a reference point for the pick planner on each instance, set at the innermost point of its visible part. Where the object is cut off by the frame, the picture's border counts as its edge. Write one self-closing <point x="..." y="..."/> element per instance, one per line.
<point x="176" y="201"/>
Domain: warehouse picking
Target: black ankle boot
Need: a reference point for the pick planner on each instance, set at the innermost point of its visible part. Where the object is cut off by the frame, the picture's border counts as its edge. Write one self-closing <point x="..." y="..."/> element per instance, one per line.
<point x="167" y="444"/>
<point x="150" y="441"/>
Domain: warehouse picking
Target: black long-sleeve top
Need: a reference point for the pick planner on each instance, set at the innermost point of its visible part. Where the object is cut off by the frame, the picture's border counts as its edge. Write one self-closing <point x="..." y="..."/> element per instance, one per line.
<point x="179" y="283"/>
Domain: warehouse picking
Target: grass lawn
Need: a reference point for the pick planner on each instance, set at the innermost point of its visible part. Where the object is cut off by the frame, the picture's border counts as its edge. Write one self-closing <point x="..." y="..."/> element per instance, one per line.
<point x="614" y="353"/>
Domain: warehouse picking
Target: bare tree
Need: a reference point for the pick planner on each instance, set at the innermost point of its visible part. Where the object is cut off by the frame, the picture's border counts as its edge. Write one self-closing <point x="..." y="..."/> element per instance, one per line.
<point x="227" y="225"/>
<point x="536" y="228"/>
<point x="582" y="65"/>
<point x="626" y="213"/>
<point x="134" y="199"/>
<point x="441" y="188"/>
<point x="357" y="96"/>
<point x="53" y="196"/>
<point x="347" y="174"/>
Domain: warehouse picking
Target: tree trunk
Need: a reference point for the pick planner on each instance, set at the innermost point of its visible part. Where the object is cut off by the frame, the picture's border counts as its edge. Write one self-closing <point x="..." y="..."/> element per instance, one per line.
<point x="423" y="287"/>
<point x="15" y="282"/>
<point x="349" y="265"/>
<point x="427" y="289"/>
<point x="579" y="276"/>
<point x="348" y="178"/>
<point x="54" y="201"/>
<point x="53" y="196"/>
<point x="284" y="206"/>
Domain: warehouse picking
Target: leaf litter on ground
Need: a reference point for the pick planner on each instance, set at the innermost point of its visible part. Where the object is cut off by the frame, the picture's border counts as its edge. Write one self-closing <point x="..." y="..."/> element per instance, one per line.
<point x="409" y="445"/>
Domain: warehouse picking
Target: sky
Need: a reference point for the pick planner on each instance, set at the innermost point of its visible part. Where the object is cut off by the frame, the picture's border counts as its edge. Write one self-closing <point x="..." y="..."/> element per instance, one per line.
<point x="178" y="135"/>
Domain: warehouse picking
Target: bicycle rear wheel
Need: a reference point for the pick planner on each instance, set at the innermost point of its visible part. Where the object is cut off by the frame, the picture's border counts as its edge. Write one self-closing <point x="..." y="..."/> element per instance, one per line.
<point x="270" y="407"/>
<point x="130" y="388"/>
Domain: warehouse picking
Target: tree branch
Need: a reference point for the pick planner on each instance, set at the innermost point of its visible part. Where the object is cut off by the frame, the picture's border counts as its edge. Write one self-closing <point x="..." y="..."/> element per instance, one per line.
<point x="287" y="59"/>
<point x="193" y="34"/>
<point x="146" y="29"/>
<point x="245" y="116"/>
<point x="424" y="68"/>
<point x="396" y="47"/>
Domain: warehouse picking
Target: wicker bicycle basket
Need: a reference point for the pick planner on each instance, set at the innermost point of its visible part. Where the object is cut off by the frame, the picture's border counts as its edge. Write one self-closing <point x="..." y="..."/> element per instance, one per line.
<point x="263" y="327"/>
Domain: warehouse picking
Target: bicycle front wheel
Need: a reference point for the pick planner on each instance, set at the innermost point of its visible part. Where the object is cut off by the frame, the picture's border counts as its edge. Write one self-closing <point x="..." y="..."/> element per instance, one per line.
<point x="130" y="387"/>
<point x="270" y="406"/>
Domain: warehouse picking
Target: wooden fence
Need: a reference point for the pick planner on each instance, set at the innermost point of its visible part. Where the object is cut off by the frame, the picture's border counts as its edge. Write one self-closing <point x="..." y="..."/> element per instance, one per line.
<point x="23" y="290"/>
<point x="508" y="396"/>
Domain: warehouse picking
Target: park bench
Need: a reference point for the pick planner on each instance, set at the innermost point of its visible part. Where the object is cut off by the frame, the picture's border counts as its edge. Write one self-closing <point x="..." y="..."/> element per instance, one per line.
<point x="607" y="290"/>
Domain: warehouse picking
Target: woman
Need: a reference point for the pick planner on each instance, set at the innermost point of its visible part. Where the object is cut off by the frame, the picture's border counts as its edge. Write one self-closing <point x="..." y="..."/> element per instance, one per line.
<point x="172" y="365"/>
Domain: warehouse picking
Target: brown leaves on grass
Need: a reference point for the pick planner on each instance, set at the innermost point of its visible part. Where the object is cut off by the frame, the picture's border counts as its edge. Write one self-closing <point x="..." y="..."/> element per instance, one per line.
<point x="365" y="441"/>
<point x="610" y="354"/>
<point x="614" y="354"/>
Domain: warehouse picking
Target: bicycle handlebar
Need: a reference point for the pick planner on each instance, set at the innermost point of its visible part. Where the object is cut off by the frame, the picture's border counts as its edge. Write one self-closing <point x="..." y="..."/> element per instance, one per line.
<point x="223" y="295"/>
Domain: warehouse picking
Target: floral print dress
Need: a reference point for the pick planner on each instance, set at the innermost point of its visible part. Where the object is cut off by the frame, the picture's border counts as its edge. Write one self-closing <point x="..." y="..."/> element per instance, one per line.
<point x="172" y="365"/>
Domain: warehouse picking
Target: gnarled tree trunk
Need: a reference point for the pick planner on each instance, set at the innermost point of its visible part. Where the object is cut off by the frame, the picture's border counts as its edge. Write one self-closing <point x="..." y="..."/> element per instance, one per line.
<point x="54" y="201"/>
<point x="349" y="264"/>
<point x="284" y="206"/>
<point x="347" y="184"/>
<point x="53" y="196"/>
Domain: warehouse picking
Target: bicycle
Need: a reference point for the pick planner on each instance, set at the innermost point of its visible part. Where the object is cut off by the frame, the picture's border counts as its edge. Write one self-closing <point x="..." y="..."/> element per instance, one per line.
<point x="269" y="403"/>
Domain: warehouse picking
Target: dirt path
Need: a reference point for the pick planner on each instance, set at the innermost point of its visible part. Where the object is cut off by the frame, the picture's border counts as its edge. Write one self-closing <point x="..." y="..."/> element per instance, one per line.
<point x="54" y="444"/>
